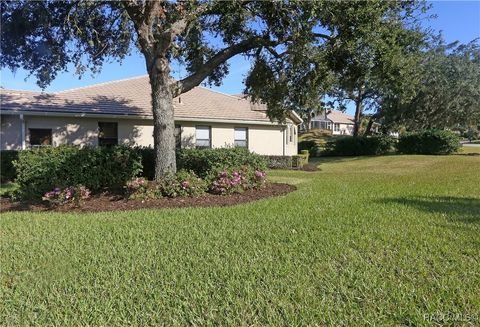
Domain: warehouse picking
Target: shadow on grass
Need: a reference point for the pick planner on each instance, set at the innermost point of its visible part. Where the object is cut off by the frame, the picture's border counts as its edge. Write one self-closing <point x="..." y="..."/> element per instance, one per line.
<point x="466" y="210"/>
<point x="321" y="160"/>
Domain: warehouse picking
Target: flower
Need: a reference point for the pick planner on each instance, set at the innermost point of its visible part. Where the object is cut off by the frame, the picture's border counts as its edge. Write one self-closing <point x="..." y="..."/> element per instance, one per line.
<point x="259" y="174"/>
<point x="184" y="184"/>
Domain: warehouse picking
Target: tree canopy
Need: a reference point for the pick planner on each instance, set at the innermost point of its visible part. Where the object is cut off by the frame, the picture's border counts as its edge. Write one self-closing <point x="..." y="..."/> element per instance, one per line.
<point x="448" y="91"/>
<point x="370" y="52"/>
<point x="43" y="37"/>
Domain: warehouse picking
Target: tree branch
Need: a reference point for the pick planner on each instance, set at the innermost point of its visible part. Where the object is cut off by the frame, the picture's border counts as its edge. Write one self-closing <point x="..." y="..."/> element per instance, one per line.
<point x="324" y="36"/>
<point x="223" y="55"/>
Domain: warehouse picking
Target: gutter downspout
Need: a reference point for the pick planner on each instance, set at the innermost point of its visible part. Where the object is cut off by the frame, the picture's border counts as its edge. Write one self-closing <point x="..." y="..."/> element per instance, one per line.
<point x="22" y="119"/>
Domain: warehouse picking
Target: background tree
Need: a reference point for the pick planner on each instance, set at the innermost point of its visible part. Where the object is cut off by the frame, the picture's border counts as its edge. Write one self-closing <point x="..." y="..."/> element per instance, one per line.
<point x="44" y="37"/>
<point x="368" y="51"/>
<point x="374" y="54"/>
<point x="448" y="95"/>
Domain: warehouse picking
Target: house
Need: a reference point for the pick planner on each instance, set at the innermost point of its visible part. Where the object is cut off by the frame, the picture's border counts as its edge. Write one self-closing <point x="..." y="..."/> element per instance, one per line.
<point x="120" y="112"/>
<point x="336" y="121"/>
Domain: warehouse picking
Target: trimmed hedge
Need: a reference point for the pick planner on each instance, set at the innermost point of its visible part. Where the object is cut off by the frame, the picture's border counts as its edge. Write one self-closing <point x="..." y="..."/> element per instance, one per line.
<point x="359" y="146"/>
<point x="39" y="170"/>
<point x="308" y="145"/>
<point x="203" y="161"/>
<point x="279" y="162"/>
<point x="429" y="142"/>
<point x="7" y="169"/>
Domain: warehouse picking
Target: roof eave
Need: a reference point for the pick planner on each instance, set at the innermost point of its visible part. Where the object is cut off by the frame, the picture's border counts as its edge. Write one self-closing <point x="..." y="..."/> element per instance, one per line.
<point x="140" y="117"/>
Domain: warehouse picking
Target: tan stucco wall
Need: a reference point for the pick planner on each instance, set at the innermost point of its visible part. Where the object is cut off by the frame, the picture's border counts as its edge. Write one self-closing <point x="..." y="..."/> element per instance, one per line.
<point x="65" y="130"/>
<point x="269" y="140"/>
<point x="10" y="132"/>
<point x="135" y="132"/>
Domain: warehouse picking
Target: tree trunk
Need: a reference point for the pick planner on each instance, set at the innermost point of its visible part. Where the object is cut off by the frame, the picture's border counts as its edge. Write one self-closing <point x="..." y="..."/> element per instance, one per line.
<point x="309" y="121"/>
<point x="163" y="119"/>
<point x="368" y="130"/>
<point x="358" y="115"/>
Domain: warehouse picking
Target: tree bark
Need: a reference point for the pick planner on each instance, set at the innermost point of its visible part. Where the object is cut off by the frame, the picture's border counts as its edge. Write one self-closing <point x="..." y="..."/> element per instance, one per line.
<point x="358" y="114"/>
<point x="163" y="118"/>
<point x="368" y="129"/>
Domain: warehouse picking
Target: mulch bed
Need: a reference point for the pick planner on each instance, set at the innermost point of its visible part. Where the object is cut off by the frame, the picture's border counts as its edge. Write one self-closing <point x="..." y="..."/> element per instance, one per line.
<point x="107" y="202"/>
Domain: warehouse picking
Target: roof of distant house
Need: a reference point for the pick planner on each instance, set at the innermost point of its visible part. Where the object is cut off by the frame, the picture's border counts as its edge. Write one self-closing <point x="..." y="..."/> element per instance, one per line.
<point x="336" y="117"/>
<point x="131" y="97"/>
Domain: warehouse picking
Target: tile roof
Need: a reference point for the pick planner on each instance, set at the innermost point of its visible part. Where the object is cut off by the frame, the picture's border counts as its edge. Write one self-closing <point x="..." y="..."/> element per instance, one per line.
<point x="340" y="117"/>
<point x="131" y="97"/>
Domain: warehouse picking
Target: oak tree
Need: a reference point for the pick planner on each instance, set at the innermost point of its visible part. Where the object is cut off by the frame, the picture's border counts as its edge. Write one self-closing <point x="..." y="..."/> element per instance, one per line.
<point x="45" y="37"/>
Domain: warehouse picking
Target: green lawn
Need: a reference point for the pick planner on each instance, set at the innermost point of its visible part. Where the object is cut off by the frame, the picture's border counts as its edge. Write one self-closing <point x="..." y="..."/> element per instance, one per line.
<point x="469" y="149"/>
<point x="365" y="241"/>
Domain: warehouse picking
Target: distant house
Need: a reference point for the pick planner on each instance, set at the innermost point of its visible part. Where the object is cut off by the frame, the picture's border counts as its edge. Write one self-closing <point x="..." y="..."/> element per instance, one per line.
<point x="336" y="121"/>
<point x="120" y="112"/>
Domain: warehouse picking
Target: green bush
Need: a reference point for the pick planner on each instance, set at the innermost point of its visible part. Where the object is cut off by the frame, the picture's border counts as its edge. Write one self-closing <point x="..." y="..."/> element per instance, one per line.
<point x="279" y="162"/>
<point x="203" y="161"/>
<point x="184" y="183"/>
<point x="309" y="145"/>
<point x="235" y="180"/>
<point x="358" y="146"/>
<point x="301" y="160"/>
<point x="148" y="162"/>
<point x="429" y="142"/>
<point x="39" y="170"/>
<point x="7" y="169"/>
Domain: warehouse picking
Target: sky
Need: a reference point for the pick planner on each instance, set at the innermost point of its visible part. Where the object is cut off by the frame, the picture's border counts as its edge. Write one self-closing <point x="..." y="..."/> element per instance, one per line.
<point x="458" y="20"/>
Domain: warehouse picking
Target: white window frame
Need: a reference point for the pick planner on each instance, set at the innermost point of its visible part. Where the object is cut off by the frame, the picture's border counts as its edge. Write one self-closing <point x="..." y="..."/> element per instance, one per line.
<point x="336" y="127"/>
<point x="203" y="127"/>
<point x="235" y="139"/>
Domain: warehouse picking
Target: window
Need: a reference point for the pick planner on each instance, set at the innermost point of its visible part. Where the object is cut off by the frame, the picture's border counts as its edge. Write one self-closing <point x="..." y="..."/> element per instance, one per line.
<point x="107" y="134"/>
<point x="178" y="136"/>
<point x="329" y="125"/>
<point x="203" y="137"/>
<point x="40" y="136"/>
<point x="291" y="134"/>
<point x="336" y="127"/>
<point x="241" y="137"/>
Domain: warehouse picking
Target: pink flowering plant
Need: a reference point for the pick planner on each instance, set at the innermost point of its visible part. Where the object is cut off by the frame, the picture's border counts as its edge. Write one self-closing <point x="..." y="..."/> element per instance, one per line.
<point x="71" y="194"/>
<point x="236" y="180"/>
<point x="137" y="188"/>
<point x="184" y="183"/>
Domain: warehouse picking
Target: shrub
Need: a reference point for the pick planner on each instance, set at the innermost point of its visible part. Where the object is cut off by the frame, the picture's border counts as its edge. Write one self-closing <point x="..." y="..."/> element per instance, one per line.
<point x="204" y="161"/>
<point x="429" y="142"/>
<point x="137" y="188"/>
<point x="301" y="159"/>
<point x="279" y="162"/>
<point x="75" y="194"/>
<point x="236" y="180"/>
<point x="308" y="145"/>
<point x="358" y="146"/>
<point x="148" y="162"/>
<point x="7" y="169"/>
<point x="184" y="183"/>
<point x="94" y="167"/>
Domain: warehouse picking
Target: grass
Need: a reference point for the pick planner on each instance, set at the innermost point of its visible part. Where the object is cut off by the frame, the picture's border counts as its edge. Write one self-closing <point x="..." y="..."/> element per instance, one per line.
<point x="365" y="241"/>
<point x="469" y="149"/>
